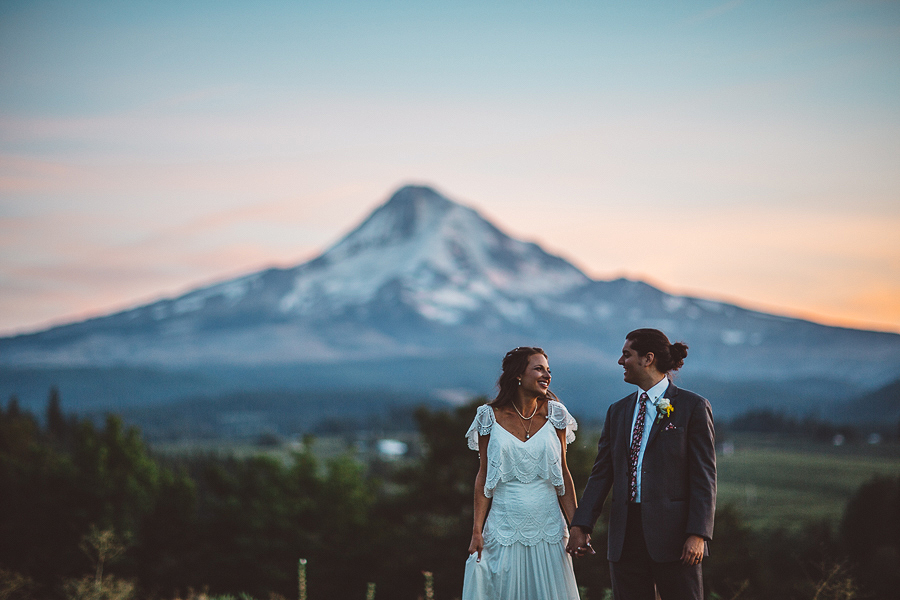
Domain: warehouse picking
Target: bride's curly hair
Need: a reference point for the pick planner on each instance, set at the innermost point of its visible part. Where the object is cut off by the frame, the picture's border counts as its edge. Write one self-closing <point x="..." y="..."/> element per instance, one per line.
<point x="514" y="364"/>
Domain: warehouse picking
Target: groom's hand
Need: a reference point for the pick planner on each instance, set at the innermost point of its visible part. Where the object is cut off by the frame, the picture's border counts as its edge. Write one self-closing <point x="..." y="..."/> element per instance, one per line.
<point x="579" y="542"/>
<point x="692" y="553"/>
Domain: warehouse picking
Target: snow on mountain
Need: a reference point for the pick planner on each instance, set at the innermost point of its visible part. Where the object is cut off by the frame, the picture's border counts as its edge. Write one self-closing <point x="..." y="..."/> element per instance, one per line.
<point x="446" y="258"/>
<point x="424" y="276"/>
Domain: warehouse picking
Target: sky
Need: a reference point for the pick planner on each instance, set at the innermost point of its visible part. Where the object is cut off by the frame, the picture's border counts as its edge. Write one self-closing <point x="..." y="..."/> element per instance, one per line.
<point x="746" y="151"/>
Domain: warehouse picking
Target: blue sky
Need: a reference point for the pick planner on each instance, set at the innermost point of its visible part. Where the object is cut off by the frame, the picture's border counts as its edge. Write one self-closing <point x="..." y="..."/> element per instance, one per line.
<point x="746" y="151"/>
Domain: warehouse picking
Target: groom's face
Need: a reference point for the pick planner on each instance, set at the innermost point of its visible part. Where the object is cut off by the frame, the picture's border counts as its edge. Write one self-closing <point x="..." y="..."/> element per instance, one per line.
<point x="636" y="366"/>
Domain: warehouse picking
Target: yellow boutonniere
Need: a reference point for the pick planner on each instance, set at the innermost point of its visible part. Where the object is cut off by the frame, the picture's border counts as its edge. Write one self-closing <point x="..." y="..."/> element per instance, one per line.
<point x="664" y="407"/>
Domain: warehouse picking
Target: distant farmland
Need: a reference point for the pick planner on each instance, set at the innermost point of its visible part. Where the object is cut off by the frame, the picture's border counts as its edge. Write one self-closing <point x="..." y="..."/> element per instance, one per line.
<point x="777" y="482"/>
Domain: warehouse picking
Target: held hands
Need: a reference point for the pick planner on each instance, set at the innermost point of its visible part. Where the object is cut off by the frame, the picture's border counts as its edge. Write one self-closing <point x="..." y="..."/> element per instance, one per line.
<point x="476" y="545"/>
<point x="692" y="553"/>
<point x="579" y="542"/>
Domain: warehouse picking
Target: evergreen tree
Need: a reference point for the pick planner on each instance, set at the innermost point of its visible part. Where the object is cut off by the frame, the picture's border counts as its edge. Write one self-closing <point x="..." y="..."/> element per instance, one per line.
<point x="870" y="530"/>
<point x="56" y="421"/>
<point x="12" y="408"/>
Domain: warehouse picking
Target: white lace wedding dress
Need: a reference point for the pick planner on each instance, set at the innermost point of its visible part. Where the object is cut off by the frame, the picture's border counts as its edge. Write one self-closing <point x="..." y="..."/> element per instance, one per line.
<point x="524" y="556"/>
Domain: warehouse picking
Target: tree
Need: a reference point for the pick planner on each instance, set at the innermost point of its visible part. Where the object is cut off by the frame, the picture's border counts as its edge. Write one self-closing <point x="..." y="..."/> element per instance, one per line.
<point x="56" y="421"/>
<point x="429" y="522"/>
<point x="12" y="409"/>
<point x="870" y="531"/>
<point x="101" y="546"/>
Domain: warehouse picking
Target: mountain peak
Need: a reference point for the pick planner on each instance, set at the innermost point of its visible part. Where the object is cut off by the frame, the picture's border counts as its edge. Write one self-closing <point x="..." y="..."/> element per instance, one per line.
<point x="410" y="211"/>
<point x="417" y="197"/>
<point x="410" y="207"/>
<point x="442" y="260"/>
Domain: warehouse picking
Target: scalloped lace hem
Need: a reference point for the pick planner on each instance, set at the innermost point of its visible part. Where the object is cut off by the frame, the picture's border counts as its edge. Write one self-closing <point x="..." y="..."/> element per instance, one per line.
<point x="560" y="490"/>
<point x="555" y="479"/>
<point x="525" y="541"/>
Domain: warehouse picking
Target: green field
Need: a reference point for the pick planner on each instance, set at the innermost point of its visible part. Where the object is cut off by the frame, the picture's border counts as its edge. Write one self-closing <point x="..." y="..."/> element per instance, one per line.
<point x="773" y="481"/>
<point x="776" y="482"/>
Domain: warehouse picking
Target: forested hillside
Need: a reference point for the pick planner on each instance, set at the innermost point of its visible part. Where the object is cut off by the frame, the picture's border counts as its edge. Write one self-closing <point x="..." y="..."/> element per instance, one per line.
<point x="229" y="526"/>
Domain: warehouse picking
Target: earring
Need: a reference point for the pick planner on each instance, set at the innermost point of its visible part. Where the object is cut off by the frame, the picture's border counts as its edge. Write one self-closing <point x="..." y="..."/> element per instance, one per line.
<point x="520" y="382"/>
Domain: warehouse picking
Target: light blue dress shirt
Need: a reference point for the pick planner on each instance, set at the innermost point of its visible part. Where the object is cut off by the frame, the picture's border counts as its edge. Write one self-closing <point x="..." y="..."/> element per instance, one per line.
<point x="654" y="394"/>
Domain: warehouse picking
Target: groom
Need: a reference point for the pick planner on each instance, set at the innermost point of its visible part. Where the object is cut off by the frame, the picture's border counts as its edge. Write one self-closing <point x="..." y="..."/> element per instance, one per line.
<point x="657" y="454"/>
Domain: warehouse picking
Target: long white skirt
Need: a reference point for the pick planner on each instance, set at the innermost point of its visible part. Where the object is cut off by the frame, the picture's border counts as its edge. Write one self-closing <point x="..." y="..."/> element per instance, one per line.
<point x="524" y="556"/>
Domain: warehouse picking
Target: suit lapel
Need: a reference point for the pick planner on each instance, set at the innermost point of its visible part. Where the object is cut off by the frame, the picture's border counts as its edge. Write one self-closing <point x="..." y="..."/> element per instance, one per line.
<point x="670" y="393"/>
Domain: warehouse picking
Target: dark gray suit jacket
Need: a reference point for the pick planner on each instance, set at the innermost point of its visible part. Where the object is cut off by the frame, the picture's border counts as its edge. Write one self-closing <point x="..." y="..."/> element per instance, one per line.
<point x="678" y="478"/>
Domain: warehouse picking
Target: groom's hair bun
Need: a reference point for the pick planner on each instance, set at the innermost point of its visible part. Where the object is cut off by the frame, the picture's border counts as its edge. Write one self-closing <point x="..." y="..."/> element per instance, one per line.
<point x="669" y="356"/>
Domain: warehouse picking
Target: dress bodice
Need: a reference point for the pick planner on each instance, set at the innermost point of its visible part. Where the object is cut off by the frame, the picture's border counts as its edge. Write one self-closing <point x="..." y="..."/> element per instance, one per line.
<point x="509" y="458"/>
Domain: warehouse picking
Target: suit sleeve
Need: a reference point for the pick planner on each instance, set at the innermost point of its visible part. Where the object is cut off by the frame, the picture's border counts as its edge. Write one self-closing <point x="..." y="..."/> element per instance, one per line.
<point x="599" y="483"/>
<point x="702" y="471"/>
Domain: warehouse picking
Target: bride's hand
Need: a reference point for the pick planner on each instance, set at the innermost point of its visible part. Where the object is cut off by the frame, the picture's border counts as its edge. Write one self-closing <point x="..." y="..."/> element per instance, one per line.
<point x="579" y="542"/>
<point x="476" y="545"/>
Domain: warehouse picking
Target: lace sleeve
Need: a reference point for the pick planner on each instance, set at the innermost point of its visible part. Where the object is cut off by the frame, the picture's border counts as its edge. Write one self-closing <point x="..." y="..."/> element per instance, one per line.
<point x="560" y="418"/>
<point x="484" y="420"/>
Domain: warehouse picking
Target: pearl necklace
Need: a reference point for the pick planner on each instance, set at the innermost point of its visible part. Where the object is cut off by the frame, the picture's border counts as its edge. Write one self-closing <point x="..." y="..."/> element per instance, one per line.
<point x="523" y="416"/>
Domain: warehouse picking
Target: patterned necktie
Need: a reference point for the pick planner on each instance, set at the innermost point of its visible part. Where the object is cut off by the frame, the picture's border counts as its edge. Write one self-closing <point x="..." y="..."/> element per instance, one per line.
<point x="636" y="438"/>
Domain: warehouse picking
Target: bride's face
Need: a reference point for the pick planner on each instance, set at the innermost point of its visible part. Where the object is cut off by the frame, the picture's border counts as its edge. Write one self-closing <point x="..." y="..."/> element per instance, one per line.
<point x="536" y="378"/>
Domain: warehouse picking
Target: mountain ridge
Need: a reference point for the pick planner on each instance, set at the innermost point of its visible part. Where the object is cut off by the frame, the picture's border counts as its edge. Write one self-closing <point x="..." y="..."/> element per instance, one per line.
<point x="423" y="277"/>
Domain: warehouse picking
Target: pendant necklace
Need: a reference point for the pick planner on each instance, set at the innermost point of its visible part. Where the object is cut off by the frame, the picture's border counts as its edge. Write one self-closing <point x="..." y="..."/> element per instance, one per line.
<point x="524" y="418"/>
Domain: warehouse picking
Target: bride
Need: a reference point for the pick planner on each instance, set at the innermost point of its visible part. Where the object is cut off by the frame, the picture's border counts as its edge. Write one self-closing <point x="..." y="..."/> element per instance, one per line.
<point x="523" y="487"/>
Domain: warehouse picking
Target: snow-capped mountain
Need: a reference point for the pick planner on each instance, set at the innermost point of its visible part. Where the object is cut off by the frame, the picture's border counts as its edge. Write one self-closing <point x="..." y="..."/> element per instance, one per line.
<point x="422" y="277"/>
<point x="443" y="260"/>
<point x="417" y="264"/>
